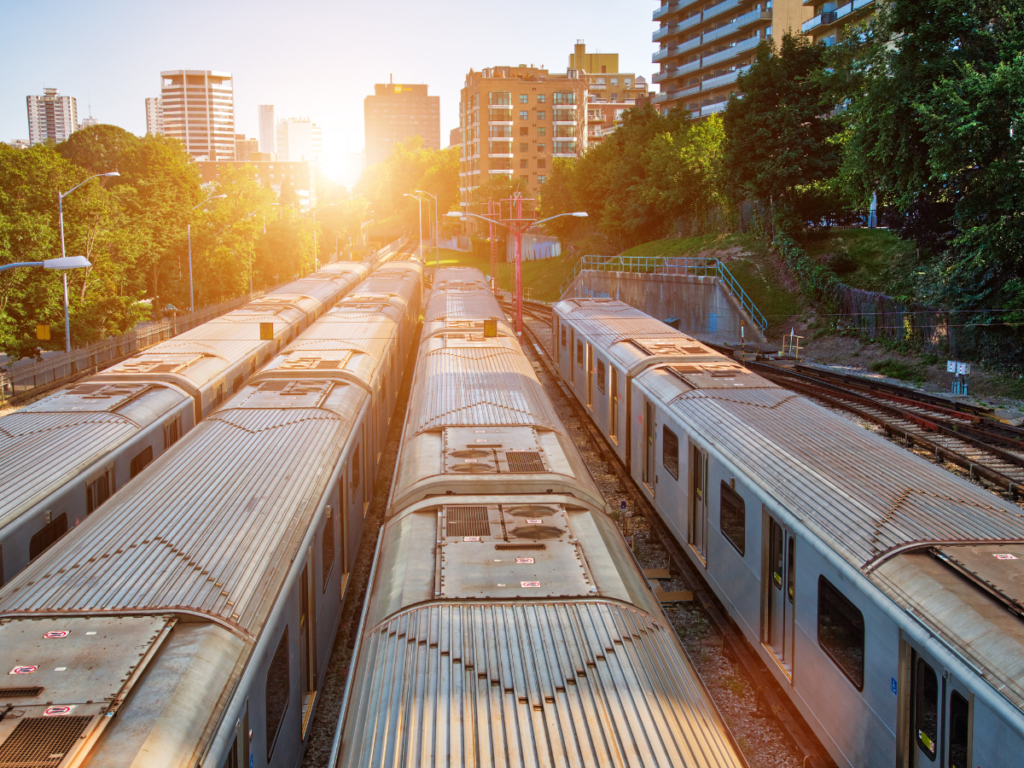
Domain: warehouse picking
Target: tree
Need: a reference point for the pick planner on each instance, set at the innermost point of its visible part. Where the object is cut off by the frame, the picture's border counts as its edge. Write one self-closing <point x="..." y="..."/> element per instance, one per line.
<point x="778" y="136"/>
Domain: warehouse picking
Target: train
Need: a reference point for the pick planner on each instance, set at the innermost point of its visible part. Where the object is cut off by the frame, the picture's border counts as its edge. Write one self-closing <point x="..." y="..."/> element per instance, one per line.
<point x="881" y="592"/>
<point x="506" y="620"/>
<point x="66" y="454"/>
<point x="189" y="621"/>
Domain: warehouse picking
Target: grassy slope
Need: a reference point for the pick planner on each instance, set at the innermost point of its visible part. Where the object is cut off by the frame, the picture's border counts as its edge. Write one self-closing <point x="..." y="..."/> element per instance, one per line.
<point x="541" y="279"/>
<point x="871" y="259"/>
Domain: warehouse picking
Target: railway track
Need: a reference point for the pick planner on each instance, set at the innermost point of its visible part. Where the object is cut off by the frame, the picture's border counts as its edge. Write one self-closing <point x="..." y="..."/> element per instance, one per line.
<point x="986" y="449"/>
<point x="770" y="700"/>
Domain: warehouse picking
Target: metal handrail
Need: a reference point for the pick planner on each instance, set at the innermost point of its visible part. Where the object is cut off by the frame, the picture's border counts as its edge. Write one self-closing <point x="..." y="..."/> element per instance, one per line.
<point x="669" y="265"/>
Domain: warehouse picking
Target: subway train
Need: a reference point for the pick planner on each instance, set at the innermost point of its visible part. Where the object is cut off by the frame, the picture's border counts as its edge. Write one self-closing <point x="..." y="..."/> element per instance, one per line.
<point x="189" y="621"/>
<point x="506" y="622"/>
<point x="881" y="591"/>
<point x="64" y="455"/>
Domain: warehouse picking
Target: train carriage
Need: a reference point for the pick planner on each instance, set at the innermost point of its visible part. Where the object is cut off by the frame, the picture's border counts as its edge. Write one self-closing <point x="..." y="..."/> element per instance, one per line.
<point x="189" y="622"/>
<point x="506" y="621"/>
<point x="878" y="588"/>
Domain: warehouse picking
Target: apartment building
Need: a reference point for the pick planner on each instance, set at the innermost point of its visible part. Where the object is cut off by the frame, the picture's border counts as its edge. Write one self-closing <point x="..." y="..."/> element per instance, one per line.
<point x="396" y="112"/>
<point x="199" y="109"/>
<point x="51" y="117"/>
<point x="828" y="19"/>
<point x="516" y="120"/>
<point x="705" y="45"/>
<point x="299" y="139"/>
<point x="155" y="115"/>
<point x="246" y="149"/>
<point x="268" y="129"/>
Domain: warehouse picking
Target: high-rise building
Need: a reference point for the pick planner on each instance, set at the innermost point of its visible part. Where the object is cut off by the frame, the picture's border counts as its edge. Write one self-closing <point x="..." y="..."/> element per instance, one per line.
<point x="396" y="112"/>
<point x="246" y="149"/>
<point x="299" y="140"/>
<point x="207" y="125"/>
<point x="51" y="117"/>
<point x="704" y="49"/>
<point x="268" y="129"/>
<point x="613" y="90"/>
<point x="155" y="115"/>
<point x="828" y="19"/>
<point x="516" y="120"/>
<point x="88" y="122"/>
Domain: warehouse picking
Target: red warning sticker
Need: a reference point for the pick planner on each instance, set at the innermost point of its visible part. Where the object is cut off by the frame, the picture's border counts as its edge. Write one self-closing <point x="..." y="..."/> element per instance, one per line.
<point x="529" y="584"/>
<point x="1005" y="557"/>
<point x="57" y="634"/>
<point x="534" y="522"/>
<point x="26" y="670"/>
<point x="471" y="538"/>
<point x="62" y="709"/>
<point x="524" y="561"/>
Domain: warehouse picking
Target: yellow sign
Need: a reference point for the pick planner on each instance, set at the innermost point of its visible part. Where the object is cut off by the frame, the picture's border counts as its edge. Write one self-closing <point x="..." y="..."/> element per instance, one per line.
<point x="490" y="328"/>
<point x="43" y="332"/>
<point x="398" y="89"/>
<point x="266" y="331"/>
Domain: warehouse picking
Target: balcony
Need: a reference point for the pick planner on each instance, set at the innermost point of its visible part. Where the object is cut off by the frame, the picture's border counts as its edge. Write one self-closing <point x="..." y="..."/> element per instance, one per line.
<point x="659" y="97"/>
<point x="729" y="53"/>
<point x="661" y="32"/>
<point x="754" y="17"/>
<point x="717" y="82"/>
<point x="711" y="109"/>
<point x="501" y="170"/>
<point x="693" y="66"/>
<point x="831" y="17"/>
<point x="662" y="76"/>
<point x="663" y="53"/>
<point x="689" y="45"/>
<point x="717" y="10"/>
<point x="687" y="91"/>
<point x="503" y="154"/>
<point x="665" y="9"/>
<point x="690" y="22"/>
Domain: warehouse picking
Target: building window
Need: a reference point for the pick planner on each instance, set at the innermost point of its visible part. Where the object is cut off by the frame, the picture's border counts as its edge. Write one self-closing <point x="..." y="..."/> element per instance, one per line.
<point x="524" y="98"/>
<point x="524" y="147"/>
<point x="542" y="114"/>
<point x="524" y="115"/>
<point x="541" y="98"/>
<point x="541" y="130"/>
<point x="500" y="98"/>
<point x="524" y="163"/>
<point x="615" y="81"/>
<point x="565" y="97"/>
<point x="524" y="178"/>
<point x="841" y="631"/>
<point x="670" y="452"/>
<point x="277" y="690"/>
<point x="541" y="146"/>
<point x="542" y="163"/>
<point x="541" y="179"/>
<point x="734" y="518"/>
<point x="524" y="131"/>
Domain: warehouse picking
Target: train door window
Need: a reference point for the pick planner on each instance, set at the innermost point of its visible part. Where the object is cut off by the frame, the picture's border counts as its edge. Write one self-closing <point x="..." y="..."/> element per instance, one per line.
<point x="237" y="383"/>
<point x="252" y="365"/>
<point x="142" y="458"/>
<point x="670" y="452"/>
<point x="278" y="687"/>
<point x="601" y="374"/>
<point x="649" y="439"/>
<point x="733" y="518"/>
<point x="579" y="354"/>
<point x="565" y="336"/>
<point x="959" y="731"/>
<point x="327" y="548"/>
<point x="926" y="708"/>
<point x="172" y="431"/>
<point x="613" y="407"/>
<point x="357" y="471"/>
<point x="1" y="565"/>
<point x="343" y="519"/>
<point x="231" y="761"/>
<point x="841" y="631"/>
<point x="307" y="647"/>
<point x="590" y="375"/>
<point x="49" y="534"/>
<point x="697" y="529"/>
<point x="777" y="593"/>
<point x="98" y="491"/>
<point x="218" y="395"/>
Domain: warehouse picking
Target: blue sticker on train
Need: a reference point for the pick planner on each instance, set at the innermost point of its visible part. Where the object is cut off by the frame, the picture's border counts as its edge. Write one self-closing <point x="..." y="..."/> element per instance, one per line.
<point x="894" y="686"/>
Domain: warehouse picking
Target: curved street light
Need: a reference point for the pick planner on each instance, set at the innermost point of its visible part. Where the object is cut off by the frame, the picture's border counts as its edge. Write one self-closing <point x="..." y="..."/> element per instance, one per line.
<point x="437" y="231"/>
<point x="64" y="262"/>
<point x="420" y="201"/>
<point x="191" y="293"/>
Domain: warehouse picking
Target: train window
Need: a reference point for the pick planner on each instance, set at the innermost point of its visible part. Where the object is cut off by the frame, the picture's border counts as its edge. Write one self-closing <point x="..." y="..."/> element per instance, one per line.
<point x="926" y="707"/>
<point x="97" y="492"/>
<point x="237" y="383"/>
<point x="670" y="451"/>
<point x="172" y="431"/>
<point x="47" y="536"/>
<point x="565" y="337"/>
<point x="231" y="761"/>
<point x="141" y="460"/>
<point x="734" y="518"/>
<point x="357" y="471"/>
<point x="775" y="546"/>
<point x="327" y="552"/>
<point x="579" y="353"/>
<point x="601" y="375"/>
<point x="276" y="695"/>
<point x="959" y="730"/>
<point x="841" y="631"/>
<point x="791" y="569"/>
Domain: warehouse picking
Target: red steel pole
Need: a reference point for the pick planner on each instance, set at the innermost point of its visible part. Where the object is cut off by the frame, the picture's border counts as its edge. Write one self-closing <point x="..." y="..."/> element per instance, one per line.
<point x="519" y="282"/>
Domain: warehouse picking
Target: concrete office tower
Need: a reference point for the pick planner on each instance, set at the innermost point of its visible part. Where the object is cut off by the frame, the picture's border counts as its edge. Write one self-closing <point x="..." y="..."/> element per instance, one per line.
<point x="397" y="112"/>
<point x="516" y="120"/>
<point x="51" y="117"/>
<point x="704" y="49"/>
<point x="155" y="115"/>
<point x="207" y="126"/>
<point x="299" y="140"/>
<point x="268" y="127"/>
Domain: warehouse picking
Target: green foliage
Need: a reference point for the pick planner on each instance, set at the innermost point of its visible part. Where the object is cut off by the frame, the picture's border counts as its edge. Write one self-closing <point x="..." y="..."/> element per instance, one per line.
<point x="897" y="369"/>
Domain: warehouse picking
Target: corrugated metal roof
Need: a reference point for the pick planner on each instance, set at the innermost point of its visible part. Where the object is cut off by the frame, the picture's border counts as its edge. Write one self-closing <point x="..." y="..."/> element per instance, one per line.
<point x="209" y="528"/>
<point x="539" y="684"/>
<point x="457" y="304"/>
<point x="493" y="385"/>
<point x="866" y="497"/>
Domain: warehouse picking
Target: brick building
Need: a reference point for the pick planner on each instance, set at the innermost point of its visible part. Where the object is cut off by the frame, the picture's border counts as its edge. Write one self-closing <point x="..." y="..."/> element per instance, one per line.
<point x="396" y="112"/>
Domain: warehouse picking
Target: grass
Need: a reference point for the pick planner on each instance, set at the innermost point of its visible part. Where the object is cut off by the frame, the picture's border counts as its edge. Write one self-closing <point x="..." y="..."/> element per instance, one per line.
<point x="898" y="369"/>
<point x="870" y="259"/>
<point x="541" y="279"/>
<point x="704" y="245"/>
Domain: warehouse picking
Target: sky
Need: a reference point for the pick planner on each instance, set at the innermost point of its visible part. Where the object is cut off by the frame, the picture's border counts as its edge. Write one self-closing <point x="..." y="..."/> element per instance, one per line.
<point x="307" y="58"/>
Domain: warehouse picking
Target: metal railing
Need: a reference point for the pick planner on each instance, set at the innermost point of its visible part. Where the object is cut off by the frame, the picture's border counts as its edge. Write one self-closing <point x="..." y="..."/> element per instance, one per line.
<point x="669" y="265"/>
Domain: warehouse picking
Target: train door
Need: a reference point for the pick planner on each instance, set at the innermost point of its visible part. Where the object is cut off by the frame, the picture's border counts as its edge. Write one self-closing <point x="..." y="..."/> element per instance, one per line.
<point x="307" y="643"/>
<point x="346" y="558"/>
<point x="613" y="406"/>
<point x="779" y="591"/>
<point x="590" y="376"/>
<point x="935" y="713"/>
<point x="697" y="529"/>
<point x="649" y="439"/>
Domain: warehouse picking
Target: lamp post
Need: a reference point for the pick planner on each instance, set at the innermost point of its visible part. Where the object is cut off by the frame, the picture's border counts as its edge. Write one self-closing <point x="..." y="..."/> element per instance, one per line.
<point x="437" y="231"/>
<point x="517" y="227"/>
<point x="191" y="293"/>
<point x="420" y="201"/>
<point x="63" y="254"/>
<point x="63" y="263"/>
<point x="316" y="260"/>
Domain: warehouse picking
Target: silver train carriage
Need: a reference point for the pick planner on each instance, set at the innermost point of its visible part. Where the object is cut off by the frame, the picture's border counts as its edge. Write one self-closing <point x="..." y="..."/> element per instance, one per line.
<point x="189" y="622"/>
<point x="507" y="622"/>
<point x="880" y="590"/>
<point x="64" y="455"/>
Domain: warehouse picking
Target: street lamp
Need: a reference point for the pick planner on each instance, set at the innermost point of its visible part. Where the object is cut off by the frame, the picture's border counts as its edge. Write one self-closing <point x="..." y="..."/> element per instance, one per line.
<point x="316" y="260"/>
<point x="517" y="232"/>
<point x="420" y="201"/>
<point x="63" y="263"/>
<point x="191" y="294"/>
<point x="437" y="231"/>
